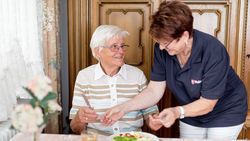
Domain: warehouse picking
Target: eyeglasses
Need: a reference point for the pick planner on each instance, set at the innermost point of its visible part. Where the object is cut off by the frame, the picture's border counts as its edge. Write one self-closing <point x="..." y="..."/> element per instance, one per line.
<point x="115" y="48"/>
<point x="165" y="45"/>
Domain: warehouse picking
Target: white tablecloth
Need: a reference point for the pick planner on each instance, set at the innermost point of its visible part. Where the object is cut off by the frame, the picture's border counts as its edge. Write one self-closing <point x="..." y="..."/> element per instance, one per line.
<point x="61" y="137"/>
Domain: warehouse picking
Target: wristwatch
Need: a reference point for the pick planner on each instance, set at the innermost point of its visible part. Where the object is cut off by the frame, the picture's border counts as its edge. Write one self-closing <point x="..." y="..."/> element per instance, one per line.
<point x="182" y="112"/>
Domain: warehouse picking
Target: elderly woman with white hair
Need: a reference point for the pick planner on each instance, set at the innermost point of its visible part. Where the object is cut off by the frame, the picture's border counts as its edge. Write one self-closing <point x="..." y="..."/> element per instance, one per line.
<point x="108" y="83"/>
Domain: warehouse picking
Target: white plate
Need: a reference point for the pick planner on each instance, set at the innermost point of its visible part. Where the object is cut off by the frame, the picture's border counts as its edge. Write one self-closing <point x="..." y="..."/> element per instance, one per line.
<point x="144" y="134"/>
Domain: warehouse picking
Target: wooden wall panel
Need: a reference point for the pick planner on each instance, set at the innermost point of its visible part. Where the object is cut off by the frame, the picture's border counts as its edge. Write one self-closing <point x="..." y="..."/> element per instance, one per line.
<point x="245" y="65"/>
<point x="78" y="31"/>
<point x="133" y="17"/>
<point x="124" y="18"/>
<point x="246" y="56"/>
<point x="220" y="19"/>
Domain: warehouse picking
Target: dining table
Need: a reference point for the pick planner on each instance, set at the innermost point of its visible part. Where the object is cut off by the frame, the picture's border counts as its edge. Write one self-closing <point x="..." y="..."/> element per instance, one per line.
<point x="71" y="137"/>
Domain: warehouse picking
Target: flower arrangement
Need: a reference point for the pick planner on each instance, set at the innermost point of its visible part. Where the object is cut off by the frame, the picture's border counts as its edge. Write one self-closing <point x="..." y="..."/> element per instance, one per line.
<point x="30" y="117"/>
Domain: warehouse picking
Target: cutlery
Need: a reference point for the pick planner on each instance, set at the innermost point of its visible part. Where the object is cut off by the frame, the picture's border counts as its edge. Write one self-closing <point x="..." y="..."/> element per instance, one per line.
<point x="88" y="104"/>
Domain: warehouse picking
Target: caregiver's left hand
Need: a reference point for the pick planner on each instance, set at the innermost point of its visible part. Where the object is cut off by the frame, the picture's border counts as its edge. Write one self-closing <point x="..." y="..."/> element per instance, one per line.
<point x="168" y="116"/>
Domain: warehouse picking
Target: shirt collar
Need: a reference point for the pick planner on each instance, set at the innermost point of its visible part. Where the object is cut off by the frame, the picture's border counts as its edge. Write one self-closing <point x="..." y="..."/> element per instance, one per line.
<point x="99" y="72"/>
<point x="196" y="52"/>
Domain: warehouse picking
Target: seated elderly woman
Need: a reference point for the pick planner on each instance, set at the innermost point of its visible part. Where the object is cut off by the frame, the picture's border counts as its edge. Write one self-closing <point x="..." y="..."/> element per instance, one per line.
<point x="108" y="83"/>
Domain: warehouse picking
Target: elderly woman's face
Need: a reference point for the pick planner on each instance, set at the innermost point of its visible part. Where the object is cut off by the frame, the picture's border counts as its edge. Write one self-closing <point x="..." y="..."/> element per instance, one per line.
<point x="112" y="55"/>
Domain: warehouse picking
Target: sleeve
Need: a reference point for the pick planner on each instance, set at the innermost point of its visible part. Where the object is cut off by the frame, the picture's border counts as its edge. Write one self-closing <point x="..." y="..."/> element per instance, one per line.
<point x="215" y="72"/>
<point x="158" y="70"/>
<point x="150" y="110"/>
<point x="142" y="81"/>
<point x="80" y="89"/>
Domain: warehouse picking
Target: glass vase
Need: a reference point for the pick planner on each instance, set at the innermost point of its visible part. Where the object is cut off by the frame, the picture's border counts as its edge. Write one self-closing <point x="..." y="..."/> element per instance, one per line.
<point x="32" y="136"/>
<point x="36" y="136"/>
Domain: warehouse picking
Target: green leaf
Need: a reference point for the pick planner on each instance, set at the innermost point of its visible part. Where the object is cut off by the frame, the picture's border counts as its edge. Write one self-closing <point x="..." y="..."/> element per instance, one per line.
<point x="30" y="93"/>
<point x="33" y="102"/>
<point x="44" y="101"/>
<point x="43" y="104"/>
<point x="50" y="96"/>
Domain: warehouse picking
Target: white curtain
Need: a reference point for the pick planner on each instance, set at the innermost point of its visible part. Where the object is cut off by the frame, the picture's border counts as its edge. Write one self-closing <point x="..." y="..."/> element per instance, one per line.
<point x="20" y="49"/>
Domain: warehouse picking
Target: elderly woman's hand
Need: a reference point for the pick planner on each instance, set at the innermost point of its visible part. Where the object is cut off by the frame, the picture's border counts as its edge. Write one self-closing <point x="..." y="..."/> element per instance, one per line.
<point x="168" y="116"/>
<point x="86" y="115"/>
<point x="154" y="122"/>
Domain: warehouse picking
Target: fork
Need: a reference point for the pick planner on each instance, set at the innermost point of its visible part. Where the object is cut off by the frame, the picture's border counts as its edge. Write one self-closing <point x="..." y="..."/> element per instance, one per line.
<point x="88" y="104"/>
<point x="87" y="101"/>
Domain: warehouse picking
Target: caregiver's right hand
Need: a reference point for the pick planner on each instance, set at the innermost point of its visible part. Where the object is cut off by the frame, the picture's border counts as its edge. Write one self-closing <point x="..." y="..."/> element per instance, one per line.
<point x="113" y="114"/>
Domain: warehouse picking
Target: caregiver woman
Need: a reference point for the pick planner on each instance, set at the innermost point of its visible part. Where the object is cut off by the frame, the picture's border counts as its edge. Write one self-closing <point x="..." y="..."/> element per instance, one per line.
<point x="195" y="67"/>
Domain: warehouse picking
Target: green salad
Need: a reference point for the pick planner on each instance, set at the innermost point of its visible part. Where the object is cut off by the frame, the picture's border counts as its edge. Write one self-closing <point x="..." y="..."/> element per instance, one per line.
<point x="132" y="136"/>
<point x="120" y="138"/>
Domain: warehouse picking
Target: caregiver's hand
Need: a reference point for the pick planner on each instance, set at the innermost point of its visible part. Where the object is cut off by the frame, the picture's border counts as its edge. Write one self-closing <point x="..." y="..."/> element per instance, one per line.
<point x="168" y="116"/>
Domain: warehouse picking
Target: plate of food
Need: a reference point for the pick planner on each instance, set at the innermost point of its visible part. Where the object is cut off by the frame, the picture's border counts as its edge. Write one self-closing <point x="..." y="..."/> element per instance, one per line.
<point x="133" y="136"/>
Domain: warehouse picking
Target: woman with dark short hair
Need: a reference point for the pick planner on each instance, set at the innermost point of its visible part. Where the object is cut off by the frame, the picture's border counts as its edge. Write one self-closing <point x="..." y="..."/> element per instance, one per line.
<point x="195" y="67"/>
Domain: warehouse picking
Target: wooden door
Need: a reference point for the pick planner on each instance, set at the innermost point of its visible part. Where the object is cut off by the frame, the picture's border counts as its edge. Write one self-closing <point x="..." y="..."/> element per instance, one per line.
<point x="133" y="17"/>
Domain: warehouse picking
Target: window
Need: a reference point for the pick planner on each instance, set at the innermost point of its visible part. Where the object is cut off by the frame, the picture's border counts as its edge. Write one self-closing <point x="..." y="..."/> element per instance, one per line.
<point x="20" y="48"/>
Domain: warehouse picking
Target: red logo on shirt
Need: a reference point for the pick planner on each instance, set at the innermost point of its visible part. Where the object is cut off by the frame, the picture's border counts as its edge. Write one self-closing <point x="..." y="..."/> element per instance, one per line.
<point x="193" y="82"/>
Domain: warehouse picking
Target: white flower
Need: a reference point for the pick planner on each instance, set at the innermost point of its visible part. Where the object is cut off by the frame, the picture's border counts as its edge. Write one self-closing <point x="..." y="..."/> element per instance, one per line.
<point x="40" y="86"/>
<point x="27" y="119"/>
<point x="53" y="106"/>
<point x="33" y="116"/>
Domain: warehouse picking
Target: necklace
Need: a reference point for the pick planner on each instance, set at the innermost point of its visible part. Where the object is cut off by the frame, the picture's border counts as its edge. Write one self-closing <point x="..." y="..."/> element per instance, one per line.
<point x="182" y="60"/>
<point x="181" y="65"/>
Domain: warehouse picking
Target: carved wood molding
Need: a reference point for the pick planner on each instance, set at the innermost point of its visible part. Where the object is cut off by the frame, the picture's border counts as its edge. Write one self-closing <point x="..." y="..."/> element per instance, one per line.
<point x="230" y="16"/>
<point x="141" y="28"/>
<point x="244" y="44"/>
<point x="125" y="1"/>
<point x="226" y="2"/>
<point x="217" y="12"/>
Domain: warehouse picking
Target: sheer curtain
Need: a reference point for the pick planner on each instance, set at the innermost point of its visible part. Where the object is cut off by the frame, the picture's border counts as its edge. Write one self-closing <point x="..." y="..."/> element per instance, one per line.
<point x="20" y="49"/>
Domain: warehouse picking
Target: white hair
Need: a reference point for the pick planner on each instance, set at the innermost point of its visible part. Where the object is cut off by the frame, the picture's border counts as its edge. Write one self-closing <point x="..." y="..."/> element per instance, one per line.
<point x="103" y="33"/>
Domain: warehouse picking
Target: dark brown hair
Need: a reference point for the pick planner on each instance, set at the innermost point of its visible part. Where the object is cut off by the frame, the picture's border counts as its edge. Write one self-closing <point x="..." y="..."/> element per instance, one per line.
<point x="171" y="20"/>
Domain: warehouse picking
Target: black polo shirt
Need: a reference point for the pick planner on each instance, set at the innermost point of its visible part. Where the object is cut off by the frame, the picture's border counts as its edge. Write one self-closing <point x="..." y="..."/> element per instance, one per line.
<point x="207" y="73"/>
